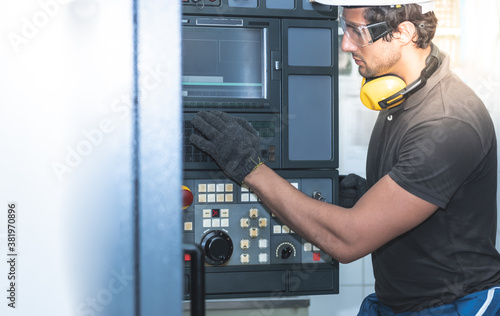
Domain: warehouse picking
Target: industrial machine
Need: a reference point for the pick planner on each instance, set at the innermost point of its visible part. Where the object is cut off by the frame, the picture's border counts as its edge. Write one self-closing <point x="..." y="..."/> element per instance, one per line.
<point x="274" y="63"/>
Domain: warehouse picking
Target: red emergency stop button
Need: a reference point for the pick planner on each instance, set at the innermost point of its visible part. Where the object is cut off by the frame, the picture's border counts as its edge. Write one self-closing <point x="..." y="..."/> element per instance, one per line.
<point x="187" y="197"/>
<point x="316" y="256"/>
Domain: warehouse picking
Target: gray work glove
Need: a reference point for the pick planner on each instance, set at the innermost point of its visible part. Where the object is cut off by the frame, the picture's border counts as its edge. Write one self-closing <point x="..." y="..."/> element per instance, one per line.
<point x="352" y="188"/>
<point x="230" y="141"/>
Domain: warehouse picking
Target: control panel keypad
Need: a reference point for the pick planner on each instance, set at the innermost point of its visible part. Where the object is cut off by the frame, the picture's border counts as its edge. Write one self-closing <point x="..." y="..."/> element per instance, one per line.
<point x="265" y="129"/>
<point x="215" y="193"/>
<point x="190" y="152"/>
<point x="246" y="195"/>
<point x="222" y="208"/>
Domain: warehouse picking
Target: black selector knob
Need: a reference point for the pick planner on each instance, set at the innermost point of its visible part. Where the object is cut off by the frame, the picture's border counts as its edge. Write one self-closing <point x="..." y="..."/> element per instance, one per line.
<point x="218" y="247"/>
<point x="286" y="252"/>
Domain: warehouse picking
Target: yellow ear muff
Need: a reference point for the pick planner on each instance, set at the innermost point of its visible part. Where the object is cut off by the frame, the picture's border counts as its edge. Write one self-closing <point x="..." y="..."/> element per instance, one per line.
<point x="378" y="89"/>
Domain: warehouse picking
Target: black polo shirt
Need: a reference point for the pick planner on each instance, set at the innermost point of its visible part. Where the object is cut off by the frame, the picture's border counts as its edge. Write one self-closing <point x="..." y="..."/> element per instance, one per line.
<point x="440" y="146"/>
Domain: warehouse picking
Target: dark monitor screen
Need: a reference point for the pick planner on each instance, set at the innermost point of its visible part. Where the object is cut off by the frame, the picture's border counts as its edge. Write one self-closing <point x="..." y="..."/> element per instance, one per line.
<point x="224" y="62"/>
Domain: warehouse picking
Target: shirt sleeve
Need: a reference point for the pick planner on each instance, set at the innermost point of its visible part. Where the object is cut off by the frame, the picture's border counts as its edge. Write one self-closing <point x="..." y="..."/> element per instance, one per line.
<point x="436" y="158"/>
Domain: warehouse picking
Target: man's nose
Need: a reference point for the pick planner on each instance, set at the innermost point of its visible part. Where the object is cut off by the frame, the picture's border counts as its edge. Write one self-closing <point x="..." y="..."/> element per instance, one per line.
<point x="346" y="45"/>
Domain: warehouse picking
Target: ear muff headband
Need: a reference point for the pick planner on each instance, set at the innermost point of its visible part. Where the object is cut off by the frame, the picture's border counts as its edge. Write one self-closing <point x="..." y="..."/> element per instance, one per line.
<point x="388" y="91"/>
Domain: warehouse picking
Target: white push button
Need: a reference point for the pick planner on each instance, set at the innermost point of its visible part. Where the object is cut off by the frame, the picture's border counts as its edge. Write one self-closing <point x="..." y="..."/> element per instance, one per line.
<point x="220" y="198"/>
<point x="202" y="198"/>
<point x="202" y="188"/>
<point x="254" y="232"/>
<point x="245" y="258"/>
<point x="211" y="198"/>
<point x="244" y="223"/>
<point x="277" y="229"/>
<point x="262" y="222"/>
<point x="220" y="187"/>
<point x="211" y="187"/>
<point x="253" y="213"/>
<point x="262" y="243"/>
<point x="244" y="244"/>
<point x="307" y="247"/>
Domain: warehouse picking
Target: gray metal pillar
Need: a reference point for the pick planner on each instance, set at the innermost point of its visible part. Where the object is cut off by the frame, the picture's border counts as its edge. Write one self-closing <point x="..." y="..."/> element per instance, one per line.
<point x="159" y="158"/>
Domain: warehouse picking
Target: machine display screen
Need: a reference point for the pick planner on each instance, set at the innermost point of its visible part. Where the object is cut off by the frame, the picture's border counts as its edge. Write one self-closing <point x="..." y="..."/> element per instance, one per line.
<point x="224" y="62"/>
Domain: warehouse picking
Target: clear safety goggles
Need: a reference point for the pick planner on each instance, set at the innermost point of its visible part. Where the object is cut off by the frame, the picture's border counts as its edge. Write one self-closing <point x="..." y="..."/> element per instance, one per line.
<point x="363" y="35"/>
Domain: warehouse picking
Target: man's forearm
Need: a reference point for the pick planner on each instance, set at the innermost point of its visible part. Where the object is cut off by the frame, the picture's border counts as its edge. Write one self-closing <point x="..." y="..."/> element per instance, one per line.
<point x="383" y="213"/>
<point x="318" y="222"/>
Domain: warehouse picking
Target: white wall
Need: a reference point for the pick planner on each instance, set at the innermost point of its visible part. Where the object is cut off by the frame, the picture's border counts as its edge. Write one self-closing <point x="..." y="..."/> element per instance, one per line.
<point x="66" y="78"/>
<point x="62" y="64"/>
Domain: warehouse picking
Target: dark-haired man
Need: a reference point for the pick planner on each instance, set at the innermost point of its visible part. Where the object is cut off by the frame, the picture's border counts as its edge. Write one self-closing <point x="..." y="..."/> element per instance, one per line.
<point x="429" y="216"/>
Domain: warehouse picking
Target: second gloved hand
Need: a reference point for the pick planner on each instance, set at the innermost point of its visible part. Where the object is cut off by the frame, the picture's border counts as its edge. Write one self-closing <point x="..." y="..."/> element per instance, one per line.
<point x="352" y="188"/>
<point x="231" y="141"/>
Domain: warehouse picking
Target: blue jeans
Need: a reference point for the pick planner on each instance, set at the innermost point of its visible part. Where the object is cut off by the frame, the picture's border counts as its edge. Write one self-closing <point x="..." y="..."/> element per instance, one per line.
<point x="484" y="303"/>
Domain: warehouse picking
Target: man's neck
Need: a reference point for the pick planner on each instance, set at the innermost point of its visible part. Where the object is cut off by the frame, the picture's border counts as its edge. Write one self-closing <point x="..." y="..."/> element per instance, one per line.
<point x="412" y="62"/>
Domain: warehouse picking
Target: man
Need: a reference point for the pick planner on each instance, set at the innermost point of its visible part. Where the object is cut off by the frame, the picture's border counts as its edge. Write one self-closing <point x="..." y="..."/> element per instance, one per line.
<point x="429" y="216"/>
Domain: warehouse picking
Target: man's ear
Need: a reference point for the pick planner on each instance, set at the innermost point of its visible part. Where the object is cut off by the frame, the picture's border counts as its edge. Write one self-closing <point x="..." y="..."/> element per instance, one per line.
<point x="406" y="32"/>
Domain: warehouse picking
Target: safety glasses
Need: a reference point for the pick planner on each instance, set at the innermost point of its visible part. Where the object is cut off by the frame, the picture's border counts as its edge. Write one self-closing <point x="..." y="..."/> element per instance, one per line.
<point x="364" y="35"/>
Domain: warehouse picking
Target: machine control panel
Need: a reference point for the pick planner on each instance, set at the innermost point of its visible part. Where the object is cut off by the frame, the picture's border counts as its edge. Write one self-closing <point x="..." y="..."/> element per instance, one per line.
<point x="275" y="8"/>
<point x="238" y="233"/>
<point x="273" y="63"/>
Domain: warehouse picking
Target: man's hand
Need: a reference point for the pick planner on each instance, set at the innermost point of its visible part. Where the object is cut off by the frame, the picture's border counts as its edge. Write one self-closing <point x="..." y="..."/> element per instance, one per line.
<point x="352" y="188"/>
<point x="231" y="141"/>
